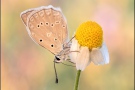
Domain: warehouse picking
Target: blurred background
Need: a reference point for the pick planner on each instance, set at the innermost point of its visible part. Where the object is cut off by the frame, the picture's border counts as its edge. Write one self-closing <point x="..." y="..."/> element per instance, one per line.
<point x="27" y="66"/>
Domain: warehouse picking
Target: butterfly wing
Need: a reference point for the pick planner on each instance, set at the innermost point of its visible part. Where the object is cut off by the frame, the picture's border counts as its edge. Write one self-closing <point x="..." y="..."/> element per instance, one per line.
<point x="25" y="14"/>
<point x="47" y="27"/>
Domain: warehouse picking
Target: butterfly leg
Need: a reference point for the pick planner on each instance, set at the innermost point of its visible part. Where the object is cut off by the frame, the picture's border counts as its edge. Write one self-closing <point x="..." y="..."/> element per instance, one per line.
<point x="71" y="52"/>
<point x="69" y="60"/>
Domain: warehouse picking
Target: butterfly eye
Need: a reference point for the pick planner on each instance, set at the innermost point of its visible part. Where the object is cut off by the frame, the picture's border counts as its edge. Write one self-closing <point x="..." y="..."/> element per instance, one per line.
<point x="57" y="58"/>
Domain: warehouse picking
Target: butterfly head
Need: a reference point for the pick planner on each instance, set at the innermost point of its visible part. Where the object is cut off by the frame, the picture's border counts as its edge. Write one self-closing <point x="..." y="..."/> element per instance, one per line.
<point x="60" y="58"/>
<point x="57" y="59"/>
<point x="62" y="55"/>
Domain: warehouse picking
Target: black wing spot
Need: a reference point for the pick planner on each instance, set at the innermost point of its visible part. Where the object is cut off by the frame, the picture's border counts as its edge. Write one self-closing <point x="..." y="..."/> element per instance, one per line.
<point x="41" y="40"/>
<point x="52" y="25"/>
<point x="38" y="26"/>
<point x="55" y="39"/>
<point x="41" y="23"/>
<point x="52" y="45"/>
<point x="47" y="23"/>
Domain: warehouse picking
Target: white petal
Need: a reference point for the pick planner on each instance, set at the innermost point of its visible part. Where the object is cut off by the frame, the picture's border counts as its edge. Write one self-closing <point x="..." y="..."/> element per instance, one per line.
<point x="74" y="50"/>
<point x="100" y="56"/>
<point x="82" y="59"/>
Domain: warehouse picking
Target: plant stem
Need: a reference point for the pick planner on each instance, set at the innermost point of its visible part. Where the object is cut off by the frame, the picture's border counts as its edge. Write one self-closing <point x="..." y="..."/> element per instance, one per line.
<point x="77" y="80"/>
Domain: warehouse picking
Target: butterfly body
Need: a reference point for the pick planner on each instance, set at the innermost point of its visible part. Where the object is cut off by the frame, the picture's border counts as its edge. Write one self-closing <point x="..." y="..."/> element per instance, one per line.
<point x="63" y="54"/>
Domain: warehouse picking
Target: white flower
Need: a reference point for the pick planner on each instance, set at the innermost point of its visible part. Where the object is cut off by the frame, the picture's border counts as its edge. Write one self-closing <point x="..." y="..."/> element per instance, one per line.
<point x="91" y="48"/>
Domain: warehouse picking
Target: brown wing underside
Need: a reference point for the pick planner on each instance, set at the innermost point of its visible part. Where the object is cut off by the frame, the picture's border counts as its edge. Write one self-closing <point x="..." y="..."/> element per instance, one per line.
<point x="47" y="27"/>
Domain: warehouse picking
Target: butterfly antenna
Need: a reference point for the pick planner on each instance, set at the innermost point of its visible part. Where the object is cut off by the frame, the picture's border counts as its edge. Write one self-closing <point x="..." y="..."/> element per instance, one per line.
<point x="69" y="42"/>
<point x="55" y="73"/>
<point x="71" y="39"/>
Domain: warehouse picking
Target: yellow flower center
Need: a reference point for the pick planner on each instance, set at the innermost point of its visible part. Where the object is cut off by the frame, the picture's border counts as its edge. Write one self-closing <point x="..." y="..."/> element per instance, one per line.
<point x="89" y="34"/>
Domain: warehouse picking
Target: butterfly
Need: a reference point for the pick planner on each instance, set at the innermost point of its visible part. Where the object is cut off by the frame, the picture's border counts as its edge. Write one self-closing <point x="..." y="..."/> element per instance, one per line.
<point x="47" y="26"/>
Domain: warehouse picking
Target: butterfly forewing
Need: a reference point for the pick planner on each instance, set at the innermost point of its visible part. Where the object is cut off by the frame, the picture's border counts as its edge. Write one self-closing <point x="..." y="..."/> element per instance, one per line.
<point x="45" y="26"/>
<point x="25" y="14"/>
<point x="61" y="25"/>
<point x="64" y="30"/>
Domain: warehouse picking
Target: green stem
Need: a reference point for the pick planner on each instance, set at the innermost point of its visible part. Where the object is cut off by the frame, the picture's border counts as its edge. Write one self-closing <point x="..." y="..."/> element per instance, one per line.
<point x="77" y="80"/>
